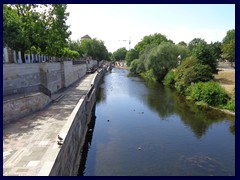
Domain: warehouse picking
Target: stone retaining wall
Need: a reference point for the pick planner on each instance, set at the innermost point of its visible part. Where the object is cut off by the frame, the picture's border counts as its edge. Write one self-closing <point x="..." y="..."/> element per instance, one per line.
<point x="68" y="160"/>
<point x="25" y="79"/>
<point x="20" y="107"/>
<point x="17" y="76"/>
<point x="22" y="78"/>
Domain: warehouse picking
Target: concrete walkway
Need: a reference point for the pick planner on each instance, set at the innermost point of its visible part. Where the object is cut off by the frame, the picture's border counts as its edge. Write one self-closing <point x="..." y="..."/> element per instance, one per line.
<point x="30" y="144"/>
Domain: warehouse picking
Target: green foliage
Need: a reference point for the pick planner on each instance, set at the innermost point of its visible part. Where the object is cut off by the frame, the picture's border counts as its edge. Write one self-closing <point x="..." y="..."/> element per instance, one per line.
<point x="157" y="60"/>
<point x="110" y="56"/>
<point x="228" y="50"/>
<point x="231" y="103"/>
<point x="209" y="92"/>
<point x="120" y="54"/>
<point x="149" y="75"/>
<point x="229" y="36"/>
<point x="228" y="47"/>
<point x="131" y="55"/>
<point x="38" y="27"/>
<point x="183" y="51"/>
<point x="161" y="59"/>
<point x="75" y="46"/>
<point x="203" y="53"/>
<point x="169" y="79"/>
<point x="191" y="71"/>
<point x="66" y="52"/>
<point x="136" y="67"/>
<point x="182" y="43"/>
<point x="154" y="39"/>
<point x="58" y="30"/>
<point x="192" y="44"/>
<point x="94" y="48"/>
<point x="216" y="50"/>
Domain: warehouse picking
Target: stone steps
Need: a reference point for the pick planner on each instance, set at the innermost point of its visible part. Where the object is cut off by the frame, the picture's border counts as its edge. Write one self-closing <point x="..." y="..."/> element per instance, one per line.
<point x="57" y="98"/>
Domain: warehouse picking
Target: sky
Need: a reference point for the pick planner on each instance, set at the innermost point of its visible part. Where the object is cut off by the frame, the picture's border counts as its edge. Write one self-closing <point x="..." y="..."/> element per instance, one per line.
<point x="117" y="24"/>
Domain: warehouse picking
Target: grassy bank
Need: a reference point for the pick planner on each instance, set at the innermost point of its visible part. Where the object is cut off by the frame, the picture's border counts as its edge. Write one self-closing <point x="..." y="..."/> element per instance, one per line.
<point x="226" y="78"/>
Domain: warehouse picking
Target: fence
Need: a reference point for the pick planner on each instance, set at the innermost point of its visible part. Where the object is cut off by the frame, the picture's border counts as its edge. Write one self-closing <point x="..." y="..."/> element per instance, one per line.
<point x="12" y="56"/>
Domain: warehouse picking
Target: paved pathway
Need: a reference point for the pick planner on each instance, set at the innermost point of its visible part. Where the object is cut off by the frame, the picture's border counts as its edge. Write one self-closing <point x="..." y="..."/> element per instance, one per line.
<point x="30" y="144"/>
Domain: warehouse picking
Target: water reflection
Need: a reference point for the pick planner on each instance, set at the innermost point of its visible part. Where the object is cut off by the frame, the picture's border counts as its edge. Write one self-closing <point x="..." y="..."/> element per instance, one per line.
<point x="87" y="144"/>
<point x="175" y="136"/>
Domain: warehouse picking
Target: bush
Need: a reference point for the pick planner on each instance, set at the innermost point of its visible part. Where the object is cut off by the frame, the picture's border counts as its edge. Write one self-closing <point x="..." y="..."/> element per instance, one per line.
<point x="149" y="75"/>
<point x="231" y="103"/>
<point x="190" y="71"/>
<point x="169" y="79"/>
<point x="137" y="66"/>
<point x="209" y="92"/>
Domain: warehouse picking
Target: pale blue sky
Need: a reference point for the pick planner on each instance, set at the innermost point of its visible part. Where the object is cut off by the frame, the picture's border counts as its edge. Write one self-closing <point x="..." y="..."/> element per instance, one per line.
<point x="180" y="22"/>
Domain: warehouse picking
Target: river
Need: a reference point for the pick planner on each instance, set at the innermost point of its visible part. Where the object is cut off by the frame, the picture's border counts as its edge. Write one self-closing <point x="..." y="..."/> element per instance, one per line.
<point x="142" y="129"/>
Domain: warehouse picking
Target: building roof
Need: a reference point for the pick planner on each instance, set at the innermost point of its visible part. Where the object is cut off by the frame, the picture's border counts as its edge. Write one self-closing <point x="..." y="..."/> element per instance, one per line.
<point x="86" y="37"/>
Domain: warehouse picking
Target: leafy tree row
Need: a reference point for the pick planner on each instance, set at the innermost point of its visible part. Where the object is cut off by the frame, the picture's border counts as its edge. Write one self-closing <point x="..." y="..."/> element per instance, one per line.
<point x="32" y="28"/>
<point x="90" y="47"/>
<point x="36" y="29"/>
<point x="155" y="55"/>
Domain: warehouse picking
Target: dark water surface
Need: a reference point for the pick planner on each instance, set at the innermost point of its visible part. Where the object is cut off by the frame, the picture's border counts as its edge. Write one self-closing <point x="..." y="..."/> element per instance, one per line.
<point x="149" y="130"/>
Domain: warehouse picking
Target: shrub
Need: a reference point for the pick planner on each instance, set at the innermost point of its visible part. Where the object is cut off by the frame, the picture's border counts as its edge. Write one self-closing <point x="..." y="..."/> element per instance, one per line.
<point x="133" y="66"/>
<point x="231" y="103"/>
<point x="137" y="66"/>
<point x="209" y="92"/>
<point x="190" y="71"/>
<point x="169" y="79"/>
<point x="149" y="75"/>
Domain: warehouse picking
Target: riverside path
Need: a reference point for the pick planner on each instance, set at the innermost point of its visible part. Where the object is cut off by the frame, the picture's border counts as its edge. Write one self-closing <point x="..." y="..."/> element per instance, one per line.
<point x="30" y="143"/>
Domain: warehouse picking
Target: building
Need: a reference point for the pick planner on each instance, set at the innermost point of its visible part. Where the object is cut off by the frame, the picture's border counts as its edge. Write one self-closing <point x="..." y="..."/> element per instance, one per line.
<point x="86" y="37"/>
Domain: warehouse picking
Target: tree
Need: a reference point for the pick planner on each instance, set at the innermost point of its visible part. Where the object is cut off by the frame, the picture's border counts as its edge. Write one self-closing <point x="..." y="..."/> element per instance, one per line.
<point x="228" y="47"/>
<point x="120" y="54"/>
<point x="182" y="43"/>
<point x="191" y="71"/>
<point x="17" y="23"/>
<point x="75" y="46"/>
<point x="110" y="56"/>
<point x="58" y="30"/>
<point x="182" y="51"/>
<point x="229" y="36"/>
<point x="131" y="55"/>
<point x="216" y="50"/>
<point x="162" y="59"/>
<point x="137" y="66"/>
<point x="66" y="52"/>
<point x="203" y="54"/>
<point x="94" y="48"/>
<point x="192" y="44"/>
<point x="156" y="39"/>
<point x="41" y="28"/>
<point x="229" y="51"/>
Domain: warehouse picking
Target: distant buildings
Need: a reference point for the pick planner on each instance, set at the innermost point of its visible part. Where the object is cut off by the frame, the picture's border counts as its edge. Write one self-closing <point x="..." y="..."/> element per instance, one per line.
<point x="86" y="37"/>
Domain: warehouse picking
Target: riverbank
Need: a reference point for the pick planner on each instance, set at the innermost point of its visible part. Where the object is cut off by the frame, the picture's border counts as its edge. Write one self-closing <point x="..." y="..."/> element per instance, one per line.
<point x="30" y="144"/>
<point x="121" y="67"/>
<point x="225" y="77"/>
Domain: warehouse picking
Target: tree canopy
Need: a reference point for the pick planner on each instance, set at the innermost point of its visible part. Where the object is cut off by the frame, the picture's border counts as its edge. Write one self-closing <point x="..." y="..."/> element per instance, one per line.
<point x="203" y="53"/>
<point x="228" y="47"/>
<point x="192" y="44"/>
<point x="120" y="54"/>
<point x="94" y="48"/>
<point x="131" y="55"/>
<point x="156" y="39"/>
<point x="40" y="28"/>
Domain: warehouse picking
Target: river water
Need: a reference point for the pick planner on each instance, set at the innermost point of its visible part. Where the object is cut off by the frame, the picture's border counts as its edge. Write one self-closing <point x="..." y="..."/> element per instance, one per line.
<point x="142" y="129"/>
